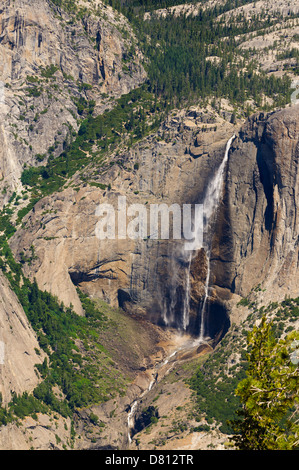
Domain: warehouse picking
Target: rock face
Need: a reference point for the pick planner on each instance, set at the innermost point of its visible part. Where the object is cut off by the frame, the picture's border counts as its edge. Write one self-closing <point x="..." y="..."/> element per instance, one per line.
<point x="256" y="243"/>
<point x="132" y="273"/>
<point x="57" y="67"/>
<point x="18" y="346"/>
<point x="50" y="61"/>
<point x="254" y="240"/>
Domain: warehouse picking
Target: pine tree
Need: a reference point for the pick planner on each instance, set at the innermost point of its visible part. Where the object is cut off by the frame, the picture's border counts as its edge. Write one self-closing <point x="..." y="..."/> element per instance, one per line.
<point x="269" y="395"/>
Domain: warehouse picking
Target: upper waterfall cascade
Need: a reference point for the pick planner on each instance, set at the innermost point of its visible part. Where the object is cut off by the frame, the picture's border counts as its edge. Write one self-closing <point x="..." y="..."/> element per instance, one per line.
<point x="202" y="240"/>
<point x="210" y="206"/>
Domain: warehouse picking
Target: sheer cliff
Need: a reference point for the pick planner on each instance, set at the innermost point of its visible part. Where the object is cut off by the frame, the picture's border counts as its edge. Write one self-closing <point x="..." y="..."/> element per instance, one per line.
<point x="19" y="347"/>
<point x="51" y="66"/>
<point x="255" y="239"/>
<point x="259" y="218"/>
<point x="62" y="228"/>
<point x="104" y="101"/>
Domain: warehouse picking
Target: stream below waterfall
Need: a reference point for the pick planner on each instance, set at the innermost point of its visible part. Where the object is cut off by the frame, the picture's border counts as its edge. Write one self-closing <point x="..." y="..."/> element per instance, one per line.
<point x="184" y="346"/>
<point x="210" y="204"/>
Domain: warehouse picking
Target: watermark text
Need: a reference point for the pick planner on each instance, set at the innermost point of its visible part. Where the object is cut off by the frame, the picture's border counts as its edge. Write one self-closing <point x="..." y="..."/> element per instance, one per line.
<point x="151" y="221"/>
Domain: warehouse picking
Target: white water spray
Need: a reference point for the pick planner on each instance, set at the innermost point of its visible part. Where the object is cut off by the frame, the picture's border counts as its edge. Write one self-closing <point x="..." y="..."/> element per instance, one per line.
<point x="210" y="205"/>
<point x="203" y="309"/>
<point x="175" y="307"/>
<point x="186" y="307"/>
<point x="131" y="419"/>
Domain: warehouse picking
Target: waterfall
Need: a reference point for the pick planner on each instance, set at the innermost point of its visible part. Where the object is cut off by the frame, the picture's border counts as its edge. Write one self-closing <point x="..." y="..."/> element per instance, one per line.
<point x="175" y="299"/>
<point x="203" y="308"/>
<point x="186" y="307"/>
<point x="212" y="196"/>
<point x="210" y="205"/>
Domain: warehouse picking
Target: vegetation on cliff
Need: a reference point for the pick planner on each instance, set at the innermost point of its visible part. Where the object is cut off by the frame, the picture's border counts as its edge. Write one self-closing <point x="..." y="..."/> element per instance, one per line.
<point x="202" y="64"/>
<point x="133" y="115"/>
<point x="76" y="362"/>
<point x="205" y="62"/>
<point x="268" y="419"/>
<point x="249" y="386"/>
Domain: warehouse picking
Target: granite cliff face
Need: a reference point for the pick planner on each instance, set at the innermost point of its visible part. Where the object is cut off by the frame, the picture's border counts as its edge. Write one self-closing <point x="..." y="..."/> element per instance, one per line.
<point x="256" y="245"/>
<point x="58" y="66"/>
<point x="50" y="63"/>
<point x="19" y="346"/>
<point x="130" y="273"/>
<point x="254" y="242"/>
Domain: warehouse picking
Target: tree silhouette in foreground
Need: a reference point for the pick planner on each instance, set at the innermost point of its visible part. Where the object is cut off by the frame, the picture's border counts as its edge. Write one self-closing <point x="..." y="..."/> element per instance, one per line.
<point x="269" y="394"/>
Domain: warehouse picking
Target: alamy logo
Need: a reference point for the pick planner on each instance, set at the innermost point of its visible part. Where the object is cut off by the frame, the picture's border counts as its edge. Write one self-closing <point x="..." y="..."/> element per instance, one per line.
<point x="151" y="221"/>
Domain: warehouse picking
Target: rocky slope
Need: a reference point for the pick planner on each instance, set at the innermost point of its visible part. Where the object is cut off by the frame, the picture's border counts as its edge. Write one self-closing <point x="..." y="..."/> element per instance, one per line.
<point x="51" y="63"/>
<point x="20" y="351"/>
<point x="259" y="218"/>
<point x="57" y="66"/>
<point x="256" y="226"/>
<point x="137" y="347"/>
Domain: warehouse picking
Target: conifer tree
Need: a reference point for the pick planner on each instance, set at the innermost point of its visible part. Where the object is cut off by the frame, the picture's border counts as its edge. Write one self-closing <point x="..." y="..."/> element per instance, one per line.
<point x="269" y="394"/>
